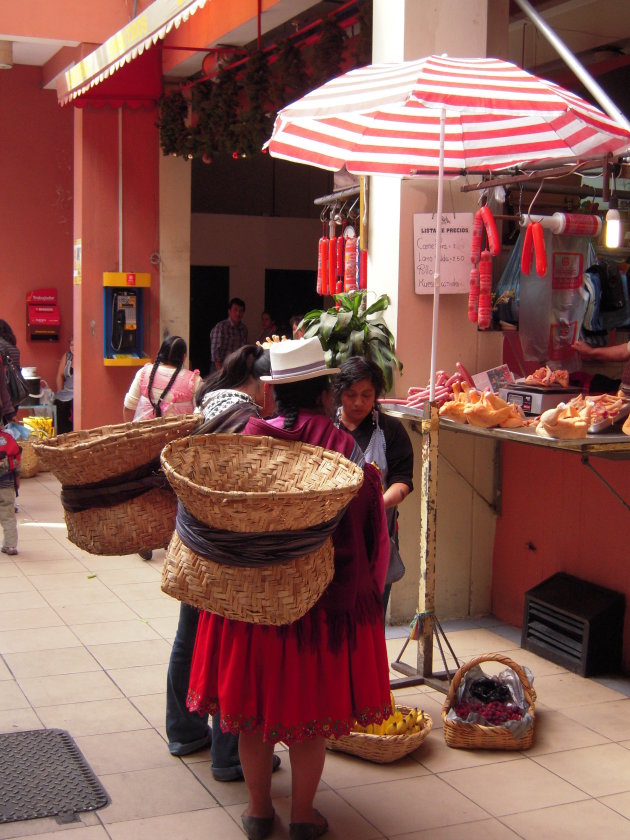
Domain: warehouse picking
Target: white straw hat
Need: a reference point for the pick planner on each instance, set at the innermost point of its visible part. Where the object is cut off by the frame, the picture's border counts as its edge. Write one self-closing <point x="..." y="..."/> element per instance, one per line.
<point x="294" y="360"/>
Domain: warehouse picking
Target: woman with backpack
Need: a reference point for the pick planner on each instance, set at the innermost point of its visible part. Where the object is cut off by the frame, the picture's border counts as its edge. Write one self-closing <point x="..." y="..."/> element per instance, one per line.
<point x="163" y="388"/>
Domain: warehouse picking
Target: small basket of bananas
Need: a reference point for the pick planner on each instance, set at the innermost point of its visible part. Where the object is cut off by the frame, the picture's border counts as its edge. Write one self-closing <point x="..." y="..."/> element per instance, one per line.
<point x="402" y="733"/>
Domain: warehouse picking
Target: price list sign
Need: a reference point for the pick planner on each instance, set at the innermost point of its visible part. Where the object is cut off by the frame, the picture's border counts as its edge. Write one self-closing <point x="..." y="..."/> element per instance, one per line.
<point x="455" y="262"/>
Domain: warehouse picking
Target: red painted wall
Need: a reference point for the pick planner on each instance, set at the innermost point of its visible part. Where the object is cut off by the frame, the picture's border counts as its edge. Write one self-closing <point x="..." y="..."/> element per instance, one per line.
<point x="36" y="217"/>
<point x="557" y="516"/>
<point x="100" y="390"/>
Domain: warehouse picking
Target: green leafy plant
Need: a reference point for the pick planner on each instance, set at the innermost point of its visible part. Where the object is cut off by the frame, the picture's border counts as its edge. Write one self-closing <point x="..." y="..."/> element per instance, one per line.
<point x="352" y="328"/>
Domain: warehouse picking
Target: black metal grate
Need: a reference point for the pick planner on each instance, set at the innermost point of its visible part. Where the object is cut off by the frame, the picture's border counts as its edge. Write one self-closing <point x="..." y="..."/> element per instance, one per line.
<point x="574" y="623"/>
<point x="44" y="774"/>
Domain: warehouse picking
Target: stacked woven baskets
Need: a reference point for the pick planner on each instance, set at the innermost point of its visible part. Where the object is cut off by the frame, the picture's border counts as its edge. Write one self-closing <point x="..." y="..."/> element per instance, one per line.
<point x="258" y="488"/>
<point x="99" y="461"/>
<point x="463" y="735"/>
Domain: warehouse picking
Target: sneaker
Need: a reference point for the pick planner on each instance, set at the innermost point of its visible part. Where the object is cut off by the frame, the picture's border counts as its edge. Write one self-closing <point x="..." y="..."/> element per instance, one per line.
<point x="181" y="749"/>
<point x="146" y="553"/>
<point x="9" y="549"/>
<point x="235" y="773"/>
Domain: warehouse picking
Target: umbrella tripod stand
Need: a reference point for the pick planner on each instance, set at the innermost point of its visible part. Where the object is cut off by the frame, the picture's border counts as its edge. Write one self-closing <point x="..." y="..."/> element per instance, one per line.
<point x="425" y="626"/>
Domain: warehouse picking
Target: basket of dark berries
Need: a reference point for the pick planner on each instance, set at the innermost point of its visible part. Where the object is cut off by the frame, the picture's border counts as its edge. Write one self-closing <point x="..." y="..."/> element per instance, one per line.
<point x="490" y="712"/>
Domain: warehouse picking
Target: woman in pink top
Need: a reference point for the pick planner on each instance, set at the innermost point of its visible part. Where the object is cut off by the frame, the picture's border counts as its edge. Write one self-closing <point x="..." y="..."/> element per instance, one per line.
<point x="163" y="388"/>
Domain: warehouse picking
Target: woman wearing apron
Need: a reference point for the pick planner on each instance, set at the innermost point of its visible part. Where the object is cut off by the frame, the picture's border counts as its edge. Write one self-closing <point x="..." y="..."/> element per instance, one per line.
<point x="384" y="441"/>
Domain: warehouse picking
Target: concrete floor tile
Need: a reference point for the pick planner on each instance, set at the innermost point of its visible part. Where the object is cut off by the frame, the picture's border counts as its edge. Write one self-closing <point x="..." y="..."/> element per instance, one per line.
<point x="577" y="821"/>
<point x="513" y="786"/>
<point x="139" y="794"/>
<point x="132" y="654"/>
<point x="564" y="690"/>
<point x="40" y="663"/>
<point x="19" y="720"/>
<point x="600" y="770"/>
<point x="611" y="719"/>
<point x="96" y="717"/>
<point x="196" y="825"/>
<point x="94" y="613"/>
<point x="120" y="752"/>
<point x="483" y="830"/>
<point x="25" y="600"/>
<point x="108" y="632"/>
<point x="45" y="638"/>
<point x="405" y="805"/>
<point x="67" y="688"/>
<point x="30" y="619"/>
<point x="144" y="679"/>
<point x="12" y="697"/>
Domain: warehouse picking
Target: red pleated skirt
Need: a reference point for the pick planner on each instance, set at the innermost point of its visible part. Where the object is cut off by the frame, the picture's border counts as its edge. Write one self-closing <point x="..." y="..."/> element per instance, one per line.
<point x="289" y="683"/>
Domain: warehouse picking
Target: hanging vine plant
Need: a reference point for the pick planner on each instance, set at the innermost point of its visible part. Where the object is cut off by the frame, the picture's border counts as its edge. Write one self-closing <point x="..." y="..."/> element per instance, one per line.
<point x="290" y="78"/>
<point x="256" y="118"/>
<point x="328" y="53"/>
<point x="175" y="136"/>
<point x="362" y="53"/>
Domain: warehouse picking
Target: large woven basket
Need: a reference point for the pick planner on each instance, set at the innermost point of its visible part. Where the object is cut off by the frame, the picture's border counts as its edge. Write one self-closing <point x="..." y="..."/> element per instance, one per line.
<point x="255" y="484"/>
<point x="144" y="522"/>
<point x="29" y="463"/>
<point x="381" y="749"/>
<point x="92" y="455"/>
<point x="276" y="594"/>
<point x="463" y="735"/>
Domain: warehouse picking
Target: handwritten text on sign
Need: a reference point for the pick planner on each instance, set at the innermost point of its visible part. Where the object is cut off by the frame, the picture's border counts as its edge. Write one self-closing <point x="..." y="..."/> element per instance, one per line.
<point x="455" y="247"/>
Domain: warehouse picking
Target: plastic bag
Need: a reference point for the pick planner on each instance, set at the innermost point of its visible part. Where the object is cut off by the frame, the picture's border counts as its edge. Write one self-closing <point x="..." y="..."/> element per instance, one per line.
<point x="507" y="681"/>
<point x="17" y="430"/>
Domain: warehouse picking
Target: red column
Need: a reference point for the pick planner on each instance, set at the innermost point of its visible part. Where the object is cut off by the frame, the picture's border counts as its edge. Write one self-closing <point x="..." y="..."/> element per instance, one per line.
<point x="98" y="222"/>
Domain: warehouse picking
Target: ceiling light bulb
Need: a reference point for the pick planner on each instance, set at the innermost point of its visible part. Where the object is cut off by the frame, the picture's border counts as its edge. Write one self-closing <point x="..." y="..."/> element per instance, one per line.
<point x="613" y="225"/>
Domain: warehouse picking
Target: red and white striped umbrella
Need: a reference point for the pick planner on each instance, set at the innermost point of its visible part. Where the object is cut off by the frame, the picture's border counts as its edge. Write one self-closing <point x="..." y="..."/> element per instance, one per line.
<point x="385" y="119"/>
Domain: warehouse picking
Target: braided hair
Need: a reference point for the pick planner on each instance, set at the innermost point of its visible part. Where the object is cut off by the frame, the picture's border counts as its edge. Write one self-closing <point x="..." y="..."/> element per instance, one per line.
<point x="172" y="352"/>
<point x="248" y="362"/>
<point x="292" y="396"/>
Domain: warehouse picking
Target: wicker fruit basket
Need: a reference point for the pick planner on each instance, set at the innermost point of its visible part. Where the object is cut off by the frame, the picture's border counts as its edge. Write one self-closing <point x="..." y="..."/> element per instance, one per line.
<point x="462" y="735"/>
<point x="381" y="749"/>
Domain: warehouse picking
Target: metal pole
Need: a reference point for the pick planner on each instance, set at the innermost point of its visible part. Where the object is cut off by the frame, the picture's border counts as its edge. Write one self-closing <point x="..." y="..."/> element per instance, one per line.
<point x="580" y="71"/>
<point x="438" y="257"/>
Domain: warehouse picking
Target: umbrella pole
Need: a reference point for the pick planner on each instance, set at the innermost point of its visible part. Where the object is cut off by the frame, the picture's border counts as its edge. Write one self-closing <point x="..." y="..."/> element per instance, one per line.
<point x="438" y="255"/>
<point x="425" y="626"/>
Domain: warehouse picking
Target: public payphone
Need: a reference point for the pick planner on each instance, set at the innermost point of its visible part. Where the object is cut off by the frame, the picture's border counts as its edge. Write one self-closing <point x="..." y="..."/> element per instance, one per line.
<point x="123" y="317"/>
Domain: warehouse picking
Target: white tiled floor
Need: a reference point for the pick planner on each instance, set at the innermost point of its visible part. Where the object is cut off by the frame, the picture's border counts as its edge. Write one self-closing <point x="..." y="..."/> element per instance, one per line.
<point x="84" y="644"/>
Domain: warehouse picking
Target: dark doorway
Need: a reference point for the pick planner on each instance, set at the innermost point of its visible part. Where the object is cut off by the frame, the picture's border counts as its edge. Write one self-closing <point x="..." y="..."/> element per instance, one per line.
<point x="209" y="298"/>
<point x="289" y="292"/>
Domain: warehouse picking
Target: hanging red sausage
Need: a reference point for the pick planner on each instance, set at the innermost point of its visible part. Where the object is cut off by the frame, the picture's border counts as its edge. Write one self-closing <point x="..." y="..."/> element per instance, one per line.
<point x="322" y="266"/>
<point x="332" y="265"/>
<point x="350" y="267"/>
<point x="528" y="251"/>
<point x="494" y="243"/>
<point x="477" y="237"/>
<point x="473" y="295"/>
<point x="538" y="237"/>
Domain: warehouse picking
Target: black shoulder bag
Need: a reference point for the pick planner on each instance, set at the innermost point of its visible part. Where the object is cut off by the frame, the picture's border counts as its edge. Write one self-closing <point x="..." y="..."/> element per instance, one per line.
<point x="16" y="386"/>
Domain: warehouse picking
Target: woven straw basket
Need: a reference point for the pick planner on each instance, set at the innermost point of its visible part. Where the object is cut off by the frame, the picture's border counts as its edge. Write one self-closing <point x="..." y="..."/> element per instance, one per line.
<point x="96" y="454"/>
<point x="29" y="462"/>
<point x="85" y="457"/>
<point x="278" y="594"/>
<point x="381" y="749"/>
<point x="255" y="484"/>
<point x="463" y="735"/>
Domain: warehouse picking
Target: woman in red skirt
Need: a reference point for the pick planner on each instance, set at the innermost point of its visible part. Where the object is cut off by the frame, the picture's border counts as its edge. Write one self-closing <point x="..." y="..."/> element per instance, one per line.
<point x="312" y="679"/>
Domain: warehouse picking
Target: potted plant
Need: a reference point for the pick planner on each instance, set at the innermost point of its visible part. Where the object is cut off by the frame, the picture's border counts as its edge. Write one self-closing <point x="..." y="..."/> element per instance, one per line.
<point x="352" y="328"/>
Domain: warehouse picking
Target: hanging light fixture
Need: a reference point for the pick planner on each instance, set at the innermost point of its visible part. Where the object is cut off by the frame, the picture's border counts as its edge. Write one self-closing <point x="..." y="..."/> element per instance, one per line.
<point x="6" y="55"/>
<point x="613" y="224"/>
<point x="612" y="236"/>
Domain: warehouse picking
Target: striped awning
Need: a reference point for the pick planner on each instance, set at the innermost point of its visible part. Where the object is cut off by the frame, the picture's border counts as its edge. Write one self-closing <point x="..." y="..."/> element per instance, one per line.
<point x="153" y="24"/>
<point x="385" y="119"/>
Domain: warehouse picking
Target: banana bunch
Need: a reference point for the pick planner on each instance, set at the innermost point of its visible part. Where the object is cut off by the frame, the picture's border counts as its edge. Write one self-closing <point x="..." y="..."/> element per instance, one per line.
<point x="398" y="723"/>
<point x="41" y="427"/>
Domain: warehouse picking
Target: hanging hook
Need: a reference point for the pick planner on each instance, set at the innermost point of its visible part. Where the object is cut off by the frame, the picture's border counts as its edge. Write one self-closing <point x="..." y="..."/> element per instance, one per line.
<point x="529" y="212"/>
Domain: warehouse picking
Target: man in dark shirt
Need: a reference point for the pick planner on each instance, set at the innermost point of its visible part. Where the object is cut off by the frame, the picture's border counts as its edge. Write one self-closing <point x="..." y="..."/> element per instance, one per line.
<point x="228" y="335"/>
